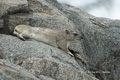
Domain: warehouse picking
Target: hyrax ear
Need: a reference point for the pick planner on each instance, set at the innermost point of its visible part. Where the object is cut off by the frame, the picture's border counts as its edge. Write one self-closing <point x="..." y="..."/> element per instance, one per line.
<point x="67" y="31"/>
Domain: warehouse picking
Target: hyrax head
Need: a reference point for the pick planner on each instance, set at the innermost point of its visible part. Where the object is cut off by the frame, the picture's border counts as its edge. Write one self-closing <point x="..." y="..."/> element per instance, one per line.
<point x="72" y="36"/>
<point x="17" y="30"/>
<point x="20" y="30"/>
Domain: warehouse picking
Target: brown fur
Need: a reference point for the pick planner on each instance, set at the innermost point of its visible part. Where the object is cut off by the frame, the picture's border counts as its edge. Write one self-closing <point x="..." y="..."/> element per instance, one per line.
<point x="56" y="38"/>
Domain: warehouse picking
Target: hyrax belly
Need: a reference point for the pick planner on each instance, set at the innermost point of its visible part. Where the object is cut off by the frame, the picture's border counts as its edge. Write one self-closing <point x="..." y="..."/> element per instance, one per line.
<point x="45" y="39"/>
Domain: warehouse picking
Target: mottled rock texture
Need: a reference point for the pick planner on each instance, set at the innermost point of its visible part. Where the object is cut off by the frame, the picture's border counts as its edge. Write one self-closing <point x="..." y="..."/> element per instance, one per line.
<point x="9" y="71"/>
<point x="1" y="23"/>
<point x="96" y="55"/>
<point x="11" y="6"/>
<point x="41" y="59"/>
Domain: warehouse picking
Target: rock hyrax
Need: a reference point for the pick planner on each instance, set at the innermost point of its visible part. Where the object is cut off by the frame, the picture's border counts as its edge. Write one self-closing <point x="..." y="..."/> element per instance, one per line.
<point x="56" y="38"/>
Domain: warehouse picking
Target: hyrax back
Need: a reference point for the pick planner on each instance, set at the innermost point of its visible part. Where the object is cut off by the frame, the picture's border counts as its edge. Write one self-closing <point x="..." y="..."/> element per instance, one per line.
<point x="56" y="38"/>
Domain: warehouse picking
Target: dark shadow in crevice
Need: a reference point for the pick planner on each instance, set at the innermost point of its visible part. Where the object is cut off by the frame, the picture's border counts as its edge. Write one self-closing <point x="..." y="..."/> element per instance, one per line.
<point x="77" y="58"/>
<point x="5" y="29"/>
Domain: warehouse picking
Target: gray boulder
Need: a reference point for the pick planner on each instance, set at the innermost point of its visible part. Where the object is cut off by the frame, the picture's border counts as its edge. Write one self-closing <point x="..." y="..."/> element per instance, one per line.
<point x="41" y="59"/>
<point x="11" y="6"/>
<point x="101" y="42"/>
<point x="40" y="20"/>
<point x="97" y="53"/>
<point x="55" y="70"/>
<point x="9" y="71"/>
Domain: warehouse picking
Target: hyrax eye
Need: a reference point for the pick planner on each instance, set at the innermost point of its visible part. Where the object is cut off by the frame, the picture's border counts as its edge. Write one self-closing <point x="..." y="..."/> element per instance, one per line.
<point x="75" y="34"/>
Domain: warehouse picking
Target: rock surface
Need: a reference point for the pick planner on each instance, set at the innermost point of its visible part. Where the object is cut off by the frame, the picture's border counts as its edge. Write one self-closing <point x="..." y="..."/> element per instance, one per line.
<point x="11" y="6"/>
<point x="9" y="71"/>
<point x="1" y="23"/>
<point x="97" y="54"/>
<point x="41" y="59"/>
<point x="55" y="70"/>
<point x="101" y="42"/>
<point x="28" y="49"/>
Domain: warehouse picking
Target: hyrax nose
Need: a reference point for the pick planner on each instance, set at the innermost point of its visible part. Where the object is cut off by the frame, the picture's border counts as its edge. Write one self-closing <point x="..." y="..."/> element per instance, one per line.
<point x="79" y="38"/>
<point x="13" y="34"/>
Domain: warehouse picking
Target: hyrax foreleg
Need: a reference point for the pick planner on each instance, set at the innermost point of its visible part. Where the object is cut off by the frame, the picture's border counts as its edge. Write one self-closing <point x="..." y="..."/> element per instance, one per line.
<point x="67" y="51"/>
<point x="19" y="35"/>
<point x="62" y="44"/>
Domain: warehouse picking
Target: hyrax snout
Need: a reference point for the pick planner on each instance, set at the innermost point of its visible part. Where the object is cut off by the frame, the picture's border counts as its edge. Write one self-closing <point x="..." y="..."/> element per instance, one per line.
<point x="56" y="38"/>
